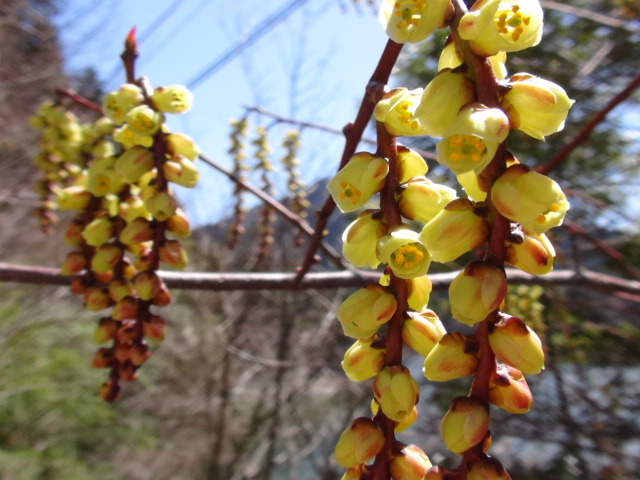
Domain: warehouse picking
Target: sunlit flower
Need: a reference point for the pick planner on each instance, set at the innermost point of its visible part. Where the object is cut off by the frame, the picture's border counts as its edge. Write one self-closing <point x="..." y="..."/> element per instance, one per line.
<point x="397" y="111"/>
<point x="412" y="20"/>
<point x="357" y="181"/>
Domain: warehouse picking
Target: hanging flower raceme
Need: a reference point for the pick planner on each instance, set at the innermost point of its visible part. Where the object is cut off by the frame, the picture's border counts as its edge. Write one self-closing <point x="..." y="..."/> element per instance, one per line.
<point x="413" y="20"/>
<point x="397" y="110"/>
<point x="494" y="26"/>
<point x="357" y="181"/>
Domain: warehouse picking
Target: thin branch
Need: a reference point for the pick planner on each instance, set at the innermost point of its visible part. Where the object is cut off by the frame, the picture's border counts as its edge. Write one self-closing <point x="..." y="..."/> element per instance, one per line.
<point x="583" y="135"/>
<point x="583" y="13"/>
<point x="279" y="208"/>
<point x="325" y="280"/>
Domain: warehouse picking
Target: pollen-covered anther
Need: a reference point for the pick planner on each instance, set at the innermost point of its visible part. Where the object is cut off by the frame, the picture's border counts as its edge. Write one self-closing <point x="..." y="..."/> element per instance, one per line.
<point x="510" y="22"/>
<point x="466" y="146"/>
<point x="350" y="192"/>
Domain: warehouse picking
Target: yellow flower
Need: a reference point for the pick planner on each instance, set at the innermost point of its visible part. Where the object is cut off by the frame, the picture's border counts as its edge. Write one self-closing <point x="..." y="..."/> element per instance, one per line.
<point x="411" y="463"/>
<point x="360" y="238"/>
<point x="396" y="392"/>
<point x="421" y="199"/>
<point x="465" y="424"/>
<point x="143" y="120"/>
<point x="454" y="356"/>
<point x="534" y="254"/>
<point x="515" y="344"/>
<point x="397" y="111"/>
<point x="422" y="331"/>
<point x="509" y="390"/>
<point x="535" y="106"/>
<point x="405" y="254"/>
<point x="357" y="181"/>
<point x="450" y="57"/>
<point x="360" y="442"/>
<point x="116" y="105"/>
<point x="410" y="164"/>
<point x="363" y="360"/>
<point x="413" y="20"/>
<point x="494" y="26"/>
<point x="172" y="99"/>
<point x="366" y="310"/>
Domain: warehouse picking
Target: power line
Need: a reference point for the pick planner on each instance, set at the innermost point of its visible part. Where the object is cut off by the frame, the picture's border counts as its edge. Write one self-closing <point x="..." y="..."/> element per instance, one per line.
<point x="265" y="26"/>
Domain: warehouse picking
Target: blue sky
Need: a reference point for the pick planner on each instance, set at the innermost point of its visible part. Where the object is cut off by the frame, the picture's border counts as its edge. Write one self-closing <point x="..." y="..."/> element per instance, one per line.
<point x="314" y="66"/>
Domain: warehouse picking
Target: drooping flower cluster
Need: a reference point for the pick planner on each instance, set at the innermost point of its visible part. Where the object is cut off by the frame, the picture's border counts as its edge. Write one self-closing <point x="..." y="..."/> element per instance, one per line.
<point x="472" y="110"/>
<point x="116" y="173"/>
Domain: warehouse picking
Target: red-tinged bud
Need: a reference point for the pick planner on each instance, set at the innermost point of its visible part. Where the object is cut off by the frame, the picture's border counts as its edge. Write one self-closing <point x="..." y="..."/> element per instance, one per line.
<point x="98" y="231"/>
<point x="127" y="371"/>
<point x="147" y="285"/>
<point x="476" y="292"/>
<point x="134" y="163"/>
<point x="421" y="199"/>
<point x="508" y="390"/>
<point x="103" y="358"/>
<point x="106" y="330"/>
<point x="123" y="352"/>
<point x="437" y="473"/>
<point x="77" y="286"/>
<point x="409" y="164"/>
<point x="137" y="231"/>
<point x="410" y="463"/>
<point x="75" y="197"/>
<point x="163" y="298"/>
<point x="181" y="144"/>
<point x="486" y="469"/>
<point x="103" y="277"/>
<point x="422" y="331"/>
<point x="363" y="360"/>
<point x="127" y="332"/>
<point x="161" y="205"/>
<point x="118" y="289"/>
<point x="465" y="424"/>
<point x="96" y="299"/>
<point x="173" y="255"/>
<point x="109" y="392"/>
<point x="360" y="442"/>
<point x="454" y="356"/>
<point x="396" y="392"/>
<point x="355" y="473"/>
<point x="454" y="231"/>
<point x="360" y="238"/>
<point x="515" y="344"/>
<point x="73" y="263"/>
<point x="178" y="224"/>
<point x="140" y="353"/>
<point x="130" y="42"/>
<point x="366" y="310"/>
<point x="105" y="258"/>
<point x="126" y="308"/>
<point x="154" y="328"/>
<point x="73" y="235"/>
<point x="534" y="255"/>
<point x="403" y="424"/>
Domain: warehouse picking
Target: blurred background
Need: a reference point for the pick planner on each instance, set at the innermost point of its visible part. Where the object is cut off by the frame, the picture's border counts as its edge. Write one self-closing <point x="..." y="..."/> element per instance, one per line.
<point x="248" y="385"/>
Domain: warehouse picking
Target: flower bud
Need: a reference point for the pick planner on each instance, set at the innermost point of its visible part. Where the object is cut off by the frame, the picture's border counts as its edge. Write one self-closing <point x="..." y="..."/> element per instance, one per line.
<point x="533" y="200"/>
<point x="136" y="231"/>
<point x="360" y="238"/>
<point x="178" y="224"/>
<point x="465" y="424"/>
<point x="127" y="371"/>
<point x="106" y="257"/>
<point x="140" y="353"/>
<point x="182" y="171"/>
<point x="96" y="299"/>
<point x="360" y="442"/>
<point x="471" y="185"/>
<point x="103" y="358"/>
<point x="405" y="254"/>
<point x="355" y="473"/>
<point x="132" y="208"/>
<point x="144" y="120"/>
<point x="163" y="298"/>
<point x="127" y="332"/>
<point x="116" y="105"/>
<point x="104" y="181"/>
<point x="133" y="163"/>
<point x="534" y="255"/>
<point x="366" y="310"/>
<point x="421" y="199"/>
<point x="454" y="356"/>
<point x="109" y="392"/>
<point x="409" y="164"/>
<point x="476" y="292"/>
<point x="515" y="344"/>
<point x="172" y="99"/>
<point x="154" y="328"/>
<point x="98" y="231"/>
<point x="118" y="289"/>
<point x="75" y="197"/>
<point x="457" y="229"/>
<point x="422" y="331"/>
<point x="125" y="308"/>
<point x="73" y="263"/>
<point x="129" y="139"/>
<point x="536" y="106"/>
<point x="473" y="138"/>
<point x="396" y="392"/>
<point x="161" y="205"/>
<point x="73" y="235"/>
<point x="181" y="144"/>
<point x="173" y="255"/>
<point x="396" y="110"/>
<point x="410" y="464"/>
<point x="502" y="26"/>
<point x="487" y="469"/>
<point x="413" y="21"/>
<point x="78" y="286"/>
<point x="508" y="390"/>
<point x="106" y="330"/>
<point x="403" y="424"/>
<point x="418" y="291"/>
<point x="357" y="181"/>
<point x="362" y="360"/>
<point x="147" y="285"/>
<point x="441" y="100"/>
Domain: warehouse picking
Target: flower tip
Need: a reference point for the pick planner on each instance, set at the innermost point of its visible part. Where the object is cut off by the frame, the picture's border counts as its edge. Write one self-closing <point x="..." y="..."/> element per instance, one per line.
<point x="131" y="43"/>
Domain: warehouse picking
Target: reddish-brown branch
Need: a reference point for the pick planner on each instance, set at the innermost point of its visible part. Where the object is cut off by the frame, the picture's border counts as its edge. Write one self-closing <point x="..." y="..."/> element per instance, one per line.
<point x="353" y="133"/>
<point x="79" y="99"/>
<point x="583" y="135"/>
